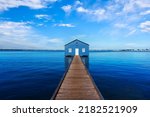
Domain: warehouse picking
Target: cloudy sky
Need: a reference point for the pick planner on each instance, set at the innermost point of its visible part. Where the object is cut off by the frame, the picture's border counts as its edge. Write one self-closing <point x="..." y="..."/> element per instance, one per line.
<point x="49" y="24"/>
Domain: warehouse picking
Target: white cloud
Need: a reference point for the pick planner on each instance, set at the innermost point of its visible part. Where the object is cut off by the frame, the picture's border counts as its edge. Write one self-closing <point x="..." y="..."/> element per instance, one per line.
<point x="142" y="3"/>
<point x="122" y="14"/>
<point x="127" y="27"/>
<point x="131" y="32"/>
<point x="33" y="4"/>
<point x="130" y="6"/>
<point x="82" y="10"/>
<point x="145" y="26"/>
<point x="78" y="3"/>
<point x="95" y="15"/>
<point x="65" y="25"/>
<point x="55" y="40"/>
<point x="145" y="12"/>
<point x="15" y="34"/>
<point x="127" y="7"/>
<point x="43" y="16"/>
<point x="67" y="8"/>
<point x="21" y="35"/>
<point x="8" y="28"/>
<point x="120" y="25"/>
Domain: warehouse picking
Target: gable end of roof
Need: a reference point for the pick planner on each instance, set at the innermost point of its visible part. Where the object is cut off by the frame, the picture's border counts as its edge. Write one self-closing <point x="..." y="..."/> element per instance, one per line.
<point x="76" y="40"/>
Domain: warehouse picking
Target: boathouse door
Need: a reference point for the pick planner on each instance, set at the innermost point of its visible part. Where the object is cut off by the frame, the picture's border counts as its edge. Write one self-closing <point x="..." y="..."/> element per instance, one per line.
<point x="77" y="51"/>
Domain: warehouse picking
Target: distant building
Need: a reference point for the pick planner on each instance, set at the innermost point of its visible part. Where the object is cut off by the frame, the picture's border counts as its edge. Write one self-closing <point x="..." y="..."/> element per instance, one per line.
<point x="77" y="47"/>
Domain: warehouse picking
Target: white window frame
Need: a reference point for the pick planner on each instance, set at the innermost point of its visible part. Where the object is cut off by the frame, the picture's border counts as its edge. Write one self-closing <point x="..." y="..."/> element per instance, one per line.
<point x="69" y="50"/>
<point x="83" y="50"/>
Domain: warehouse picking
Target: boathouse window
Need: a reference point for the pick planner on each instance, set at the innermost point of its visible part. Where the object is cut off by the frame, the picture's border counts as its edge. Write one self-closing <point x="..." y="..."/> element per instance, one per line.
<point x="83" y="49"/>
<point x="70" y="50"/>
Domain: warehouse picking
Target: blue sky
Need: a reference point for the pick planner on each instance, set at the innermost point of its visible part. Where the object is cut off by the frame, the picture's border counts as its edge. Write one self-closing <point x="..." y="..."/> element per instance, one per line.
<point x="49" y="24"/>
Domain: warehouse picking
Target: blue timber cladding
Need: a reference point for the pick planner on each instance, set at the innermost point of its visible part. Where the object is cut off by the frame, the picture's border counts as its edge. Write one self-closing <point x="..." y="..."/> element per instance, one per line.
<point x="77" y="47"/>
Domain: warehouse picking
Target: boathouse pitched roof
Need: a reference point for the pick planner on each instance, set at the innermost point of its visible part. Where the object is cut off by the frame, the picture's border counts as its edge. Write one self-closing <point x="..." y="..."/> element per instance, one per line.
<point x="76" y="40"/>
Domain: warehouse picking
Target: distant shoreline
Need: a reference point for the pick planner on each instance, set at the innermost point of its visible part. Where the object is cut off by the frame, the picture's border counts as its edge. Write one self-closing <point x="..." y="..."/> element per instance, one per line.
<point x="121" y="50"/>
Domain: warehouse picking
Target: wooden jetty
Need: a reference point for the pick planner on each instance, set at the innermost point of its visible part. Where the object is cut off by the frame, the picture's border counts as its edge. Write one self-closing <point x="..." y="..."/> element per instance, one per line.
<point x="77" y="84"/>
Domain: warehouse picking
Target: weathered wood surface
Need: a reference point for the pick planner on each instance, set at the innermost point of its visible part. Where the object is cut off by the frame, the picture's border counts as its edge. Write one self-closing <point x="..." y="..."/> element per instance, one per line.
<point x="77" y="84"/>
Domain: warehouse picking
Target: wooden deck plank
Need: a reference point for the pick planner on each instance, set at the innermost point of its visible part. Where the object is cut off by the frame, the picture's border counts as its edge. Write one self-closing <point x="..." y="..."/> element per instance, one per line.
<point x="77" y="84"/>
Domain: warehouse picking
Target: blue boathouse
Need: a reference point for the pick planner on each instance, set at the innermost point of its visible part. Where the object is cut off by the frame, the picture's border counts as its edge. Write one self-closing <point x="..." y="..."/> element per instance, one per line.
<point x="77" y="47"/>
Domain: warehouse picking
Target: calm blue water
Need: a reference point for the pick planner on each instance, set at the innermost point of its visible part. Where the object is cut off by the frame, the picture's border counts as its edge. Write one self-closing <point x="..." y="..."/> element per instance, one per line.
<point x="30" y="74"/>
<point x="121" y="75"/>
<point x="36" y="74"/>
